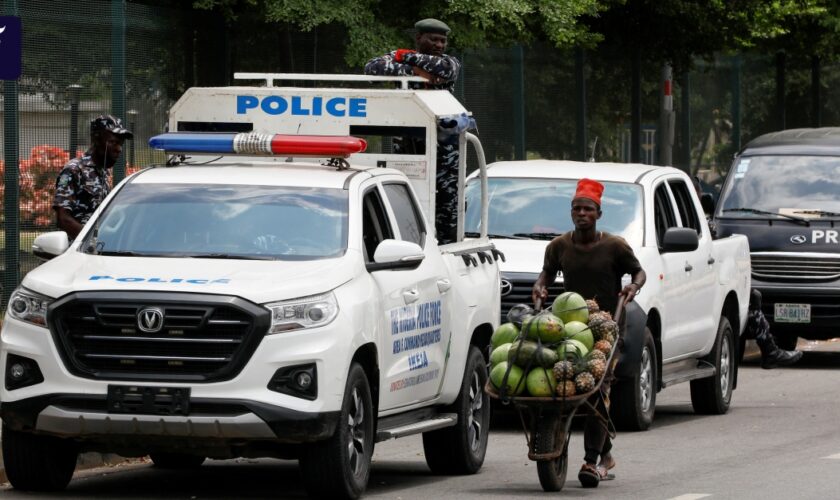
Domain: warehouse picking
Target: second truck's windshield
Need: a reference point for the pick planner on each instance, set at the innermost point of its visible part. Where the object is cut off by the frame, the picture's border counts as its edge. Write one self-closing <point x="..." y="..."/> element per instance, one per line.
<point x="540" y="208"/>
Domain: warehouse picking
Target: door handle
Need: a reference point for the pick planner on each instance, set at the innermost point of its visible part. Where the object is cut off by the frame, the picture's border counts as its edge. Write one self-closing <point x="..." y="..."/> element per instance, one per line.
<point x="688" y="267"/>
<point x="444" y="285"/>
<point x="710" y="261"/>
<point x="411" y="295"/>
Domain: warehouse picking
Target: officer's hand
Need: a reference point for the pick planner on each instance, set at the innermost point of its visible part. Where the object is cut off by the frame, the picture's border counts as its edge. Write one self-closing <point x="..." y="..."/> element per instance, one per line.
<point x="428" y="76"/>
<point x="400" y="53"/>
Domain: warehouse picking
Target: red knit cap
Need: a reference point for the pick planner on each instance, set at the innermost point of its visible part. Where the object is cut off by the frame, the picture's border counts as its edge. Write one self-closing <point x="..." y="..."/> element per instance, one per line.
<point x="589" y="189"/>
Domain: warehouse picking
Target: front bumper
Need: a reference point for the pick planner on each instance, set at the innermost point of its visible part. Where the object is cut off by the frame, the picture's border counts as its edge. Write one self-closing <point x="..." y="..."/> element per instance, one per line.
<point x="825" y="308"/>
<point x="81" y="417"/>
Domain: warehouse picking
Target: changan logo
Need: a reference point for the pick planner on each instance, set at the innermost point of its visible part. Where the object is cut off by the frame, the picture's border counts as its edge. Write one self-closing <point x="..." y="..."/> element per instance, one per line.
<point x="798" y="239"/>
<point x="150" y="320"/>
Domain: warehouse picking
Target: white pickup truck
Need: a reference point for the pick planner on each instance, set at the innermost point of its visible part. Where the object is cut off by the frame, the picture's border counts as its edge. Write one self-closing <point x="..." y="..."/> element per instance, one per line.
<point x="690" y="314"/>
<point x="272" y="305"/>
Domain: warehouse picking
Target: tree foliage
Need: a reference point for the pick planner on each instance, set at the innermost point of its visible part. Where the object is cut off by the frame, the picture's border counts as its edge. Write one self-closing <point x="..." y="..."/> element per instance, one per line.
<point x="376" y="26"/>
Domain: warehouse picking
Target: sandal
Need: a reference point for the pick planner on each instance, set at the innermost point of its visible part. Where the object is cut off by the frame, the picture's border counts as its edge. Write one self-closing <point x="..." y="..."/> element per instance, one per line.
<point x="604" y="473"/>
<point x="604" y="470"/>
<point x="589" y="476"/>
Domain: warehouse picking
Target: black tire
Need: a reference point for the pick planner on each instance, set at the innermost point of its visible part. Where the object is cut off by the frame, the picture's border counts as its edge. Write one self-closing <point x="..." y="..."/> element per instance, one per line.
<point x="634" y="398"/>
<point x="38" y="463"/>
<point x="460" y="449"/>
<point x="176" y="460"/>
<point x="711" y="395"/>
<point x="340" y="466"/>
<point x="552" y="473"/>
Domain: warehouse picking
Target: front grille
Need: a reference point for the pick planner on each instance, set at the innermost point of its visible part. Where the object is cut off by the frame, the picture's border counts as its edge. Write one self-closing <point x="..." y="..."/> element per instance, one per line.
<point x="199" y="340"/>
<point x="521" y="285"/>
<point x="794" y="268"/>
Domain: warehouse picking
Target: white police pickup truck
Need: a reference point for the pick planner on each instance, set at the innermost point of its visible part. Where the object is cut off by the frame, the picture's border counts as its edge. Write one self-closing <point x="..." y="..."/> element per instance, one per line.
<point x="685" y="323"/>
<point x="267" y="304"/>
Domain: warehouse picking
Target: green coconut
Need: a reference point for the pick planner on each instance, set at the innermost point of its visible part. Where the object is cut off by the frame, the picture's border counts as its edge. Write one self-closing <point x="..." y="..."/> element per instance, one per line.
<point x="570" y="306"/>
<point x="514" y="383"/>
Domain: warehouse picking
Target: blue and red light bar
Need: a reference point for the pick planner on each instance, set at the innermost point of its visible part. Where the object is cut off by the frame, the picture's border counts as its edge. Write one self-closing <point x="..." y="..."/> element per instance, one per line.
<point x="322" y="146"/>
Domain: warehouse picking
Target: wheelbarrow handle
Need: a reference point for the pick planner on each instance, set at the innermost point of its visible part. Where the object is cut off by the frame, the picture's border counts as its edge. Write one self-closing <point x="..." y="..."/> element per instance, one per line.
<point x="619" y="309"/>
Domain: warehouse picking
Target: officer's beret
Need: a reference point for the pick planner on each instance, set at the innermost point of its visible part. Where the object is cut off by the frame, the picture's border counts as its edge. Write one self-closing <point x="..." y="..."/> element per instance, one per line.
<point x="110" y="123"/>
<point x="432" y="26"/>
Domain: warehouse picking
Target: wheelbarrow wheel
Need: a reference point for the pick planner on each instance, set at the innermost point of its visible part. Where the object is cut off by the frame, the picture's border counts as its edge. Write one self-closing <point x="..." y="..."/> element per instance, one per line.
<point x="551" y="436"/>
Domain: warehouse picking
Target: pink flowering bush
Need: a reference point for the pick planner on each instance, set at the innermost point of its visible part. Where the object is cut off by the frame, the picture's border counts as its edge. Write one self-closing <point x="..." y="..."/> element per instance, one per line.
<point x="37" y="177"/>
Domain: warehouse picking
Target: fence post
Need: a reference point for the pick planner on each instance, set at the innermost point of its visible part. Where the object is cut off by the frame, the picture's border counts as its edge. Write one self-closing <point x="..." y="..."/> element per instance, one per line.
<point x="74" y="91"/>
<point x="518" y="103"/>
<point x="580" y="105"/>
<point x="780" y="89"/>
<point x="11" y="179"/>
<point x="685" y="122"/>
<point x="118" y="74"/>
<point x="636" y="107"/>
<point x="736" y="103"/>
<point x="816" y="91"/>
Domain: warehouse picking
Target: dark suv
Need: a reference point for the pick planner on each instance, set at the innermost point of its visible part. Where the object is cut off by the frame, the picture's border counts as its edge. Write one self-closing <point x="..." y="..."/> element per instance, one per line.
<point x="783" y="193"/>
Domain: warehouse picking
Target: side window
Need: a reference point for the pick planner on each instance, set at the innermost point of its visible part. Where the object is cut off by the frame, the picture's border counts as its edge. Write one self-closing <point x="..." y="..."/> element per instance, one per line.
<point x="664" y="216"/>
<point x="685" y="205"/>
<point x="405" y="210"/>
<point x="375" y="226"/>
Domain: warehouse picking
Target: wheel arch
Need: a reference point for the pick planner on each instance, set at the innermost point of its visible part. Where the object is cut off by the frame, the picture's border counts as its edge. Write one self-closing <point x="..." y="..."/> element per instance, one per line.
<point x="367" y="356"/>
<point x="481" y="339"/>
<point x="654" y="324"/>
<point x="731" y="311"/>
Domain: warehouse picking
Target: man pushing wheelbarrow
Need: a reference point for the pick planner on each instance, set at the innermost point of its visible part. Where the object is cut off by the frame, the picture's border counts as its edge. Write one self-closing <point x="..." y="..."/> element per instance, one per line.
<point x="593" y="263"/>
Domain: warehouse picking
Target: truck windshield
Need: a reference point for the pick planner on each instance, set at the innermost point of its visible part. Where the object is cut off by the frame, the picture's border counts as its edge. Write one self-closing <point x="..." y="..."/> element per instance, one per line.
<point x="541" y="208"/>
<point x="792" y="187"/>
<point x="230" y="221"/>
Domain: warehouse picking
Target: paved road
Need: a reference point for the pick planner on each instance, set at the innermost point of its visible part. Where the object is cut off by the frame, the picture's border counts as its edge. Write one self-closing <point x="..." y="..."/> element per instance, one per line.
<point x="779" y="441"/>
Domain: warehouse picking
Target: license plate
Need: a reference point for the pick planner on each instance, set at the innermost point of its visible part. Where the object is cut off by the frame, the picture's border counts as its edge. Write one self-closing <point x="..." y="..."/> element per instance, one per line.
<point x="792" y="313"/>
<point x="148" y="400"/>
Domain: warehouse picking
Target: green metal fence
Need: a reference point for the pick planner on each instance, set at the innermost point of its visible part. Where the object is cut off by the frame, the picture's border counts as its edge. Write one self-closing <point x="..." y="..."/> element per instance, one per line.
<point x="135" y="58"/>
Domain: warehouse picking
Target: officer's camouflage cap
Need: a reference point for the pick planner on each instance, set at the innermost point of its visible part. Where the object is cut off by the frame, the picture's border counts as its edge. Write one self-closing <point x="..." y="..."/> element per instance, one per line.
<point x="431" y="26"/>
<point x="110" y="123"/>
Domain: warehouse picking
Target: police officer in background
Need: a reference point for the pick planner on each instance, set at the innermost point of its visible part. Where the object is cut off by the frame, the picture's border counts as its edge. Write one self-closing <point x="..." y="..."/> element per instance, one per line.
<point x="84" y="182"/>
<point x="429" y="61"/>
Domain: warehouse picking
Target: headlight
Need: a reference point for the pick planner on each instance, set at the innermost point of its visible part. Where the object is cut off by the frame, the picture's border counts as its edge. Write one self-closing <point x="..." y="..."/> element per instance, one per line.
<point x="28" y="306"/>
<point x="305" y="312"/>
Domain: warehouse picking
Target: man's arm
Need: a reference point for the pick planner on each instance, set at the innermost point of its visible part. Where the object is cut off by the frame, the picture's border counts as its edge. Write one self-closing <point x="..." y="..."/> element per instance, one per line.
<point x="387" y="65"/>
<point x="444" y="69"/>
<point x="65" y="198"/>
<point x="65" y="221"/>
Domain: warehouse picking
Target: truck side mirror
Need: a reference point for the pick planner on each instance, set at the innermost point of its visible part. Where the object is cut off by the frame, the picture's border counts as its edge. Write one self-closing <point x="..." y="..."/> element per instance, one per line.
<point x="680" y="239"/>
<point x="396" y="254"/>
<point x="49" y="245"/>
<point x="707" y="201"/>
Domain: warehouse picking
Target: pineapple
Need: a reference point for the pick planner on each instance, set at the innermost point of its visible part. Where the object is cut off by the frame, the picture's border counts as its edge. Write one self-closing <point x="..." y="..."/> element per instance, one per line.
<point x="566" y="388"/>
<point x="596" y="354"/>
<point x="600" y="316"/>
<point x="584" y="382"/>
<point x="593" y="306"/>
<point x="597" y="367"/>
<point x="603" y="328"/>
<point x="564" y="370"/>
<point x="603" y="346"/>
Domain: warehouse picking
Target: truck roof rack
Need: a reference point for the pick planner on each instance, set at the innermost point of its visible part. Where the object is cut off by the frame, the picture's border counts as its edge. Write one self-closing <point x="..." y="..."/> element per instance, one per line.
<point x="269" y="78"/>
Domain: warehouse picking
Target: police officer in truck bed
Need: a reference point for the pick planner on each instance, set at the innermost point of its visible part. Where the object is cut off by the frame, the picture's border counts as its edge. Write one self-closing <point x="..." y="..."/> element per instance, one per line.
<point x="440" y="70"/>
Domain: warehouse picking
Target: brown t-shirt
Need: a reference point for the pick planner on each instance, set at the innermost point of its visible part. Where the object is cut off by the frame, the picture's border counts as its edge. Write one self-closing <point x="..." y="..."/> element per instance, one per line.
<point x="594" y="273"/>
